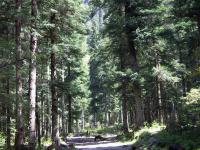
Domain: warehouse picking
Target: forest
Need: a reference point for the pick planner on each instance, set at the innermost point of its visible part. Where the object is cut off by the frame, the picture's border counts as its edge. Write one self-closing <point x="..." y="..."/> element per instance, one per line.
<point x="112" y="74"/>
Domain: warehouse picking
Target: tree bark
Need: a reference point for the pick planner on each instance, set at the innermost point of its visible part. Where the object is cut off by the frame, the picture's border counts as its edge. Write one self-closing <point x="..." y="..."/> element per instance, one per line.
<point x="19" y="138"/>
<point x="77" y="125"/>
<point x="139" y="113"/>
<point x="179" y="45"/>
<point x="124" y="97"/>
<point x="48" y="110"/>
<point x="95" y="119"/>
<point x="55" y="130"/>
<point x="161" y="103"/>
<point x="131" y="112"/>
<point x="63" y="115"/>
<point x="129" y="12"/>
<point x="69" y="97"/>
<point x="38" y="125"/>
<point x="120" y="114"/>
<point x="69" y="113"/>
<point x="123" y="66"/>
<point x="8" y="131"/>
<point x="172" y="118"/>
<point x="147" y="109"/>
<point x="32" y="78"/>
<point x="106" y="122"/>
<point x="83" y="119"/>
<point x="159" y="95"/>
<point x="63" y="104"/>
<point x="125" y="113"/>
<point x="54" y="109"/>
<point x="42" y="115"/>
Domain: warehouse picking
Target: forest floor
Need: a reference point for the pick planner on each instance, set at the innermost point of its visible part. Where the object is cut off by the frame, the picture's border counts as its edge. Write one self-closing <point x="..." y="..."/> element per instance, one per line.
<point x="156" y="135"/>
<point x="88" y="143"/>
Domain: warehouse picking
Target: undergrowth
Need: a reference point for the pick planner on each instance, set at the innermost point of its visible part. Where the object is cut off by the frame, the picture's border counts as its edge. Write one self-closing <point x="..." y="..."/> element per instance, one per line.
<point x="189" y="138"/>
<point x="2" y="141"/>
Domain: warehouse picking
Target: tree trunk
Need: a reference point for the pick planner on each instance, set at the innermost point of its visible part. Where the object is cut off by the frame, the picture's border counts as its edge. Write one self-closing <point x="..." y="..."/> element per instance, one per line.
<point x="109" y="118"/>
<point x="181" y="61"/>
<point x="54" y="109"/>
<point x="63" y="104"/>
<point x="83" y="119"/>
<point x="131" y="116"/>
<point x="162" y="102"/>
<point x="42" y="115"/>
<point x="8" y="131"/>
<point x="3" y="109"/>
<point x="129" y="10"/>
<point x="63" y="115"/>
<point x="48" y="114"/>
<point x="38" y="120"/>
<point x="148" y="110"/>
<point x="32" y="78"/>
<point x="159" y="95"/>
<point x="69" y="113"/>
<point x="95" y="119"/>
<point x="66" y="126"/>
<point x="172" y="118"/>
<point x="106" y="118"/>
<point x="124" y="98"/>
<point x="159" y="102"/>
<point x="69" y="97"/>
<point x="19" y="139"/>
<point x="120" y="114"/>
<point x="125" y="113"/>
<point x="139" y="110"/>
<point x="55" y="130"/>
<point x="77" y="125"/>
<point x="123" y="65"/>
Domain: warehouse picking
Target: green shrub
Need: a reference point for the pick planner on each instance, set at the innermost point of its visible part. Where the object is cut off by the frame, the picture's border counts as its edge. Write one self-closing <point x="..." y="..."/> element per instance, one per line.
<point x="2" y="140"/>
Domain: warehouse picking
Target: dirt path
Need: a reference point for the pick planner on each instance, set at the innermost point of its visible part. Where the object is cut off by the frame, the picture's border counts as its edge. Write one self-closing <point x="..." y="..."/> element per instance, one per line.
<point x="88" y="143"/>
<point x="105" y="146"/>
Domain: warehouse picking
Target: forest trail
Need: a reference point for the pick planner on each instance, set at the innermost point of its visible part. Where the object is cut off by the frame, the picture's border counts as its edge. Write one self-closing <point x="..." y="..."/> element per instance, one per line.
<point x="88" y="143"/>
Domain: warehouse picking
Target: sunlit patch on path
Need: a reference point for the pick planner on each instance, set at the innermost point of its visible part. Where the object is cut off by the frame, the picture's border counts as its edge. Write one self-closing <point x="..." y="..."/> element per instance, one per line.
<point x="88" y="143"/>
<point x="106" y="146"/>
